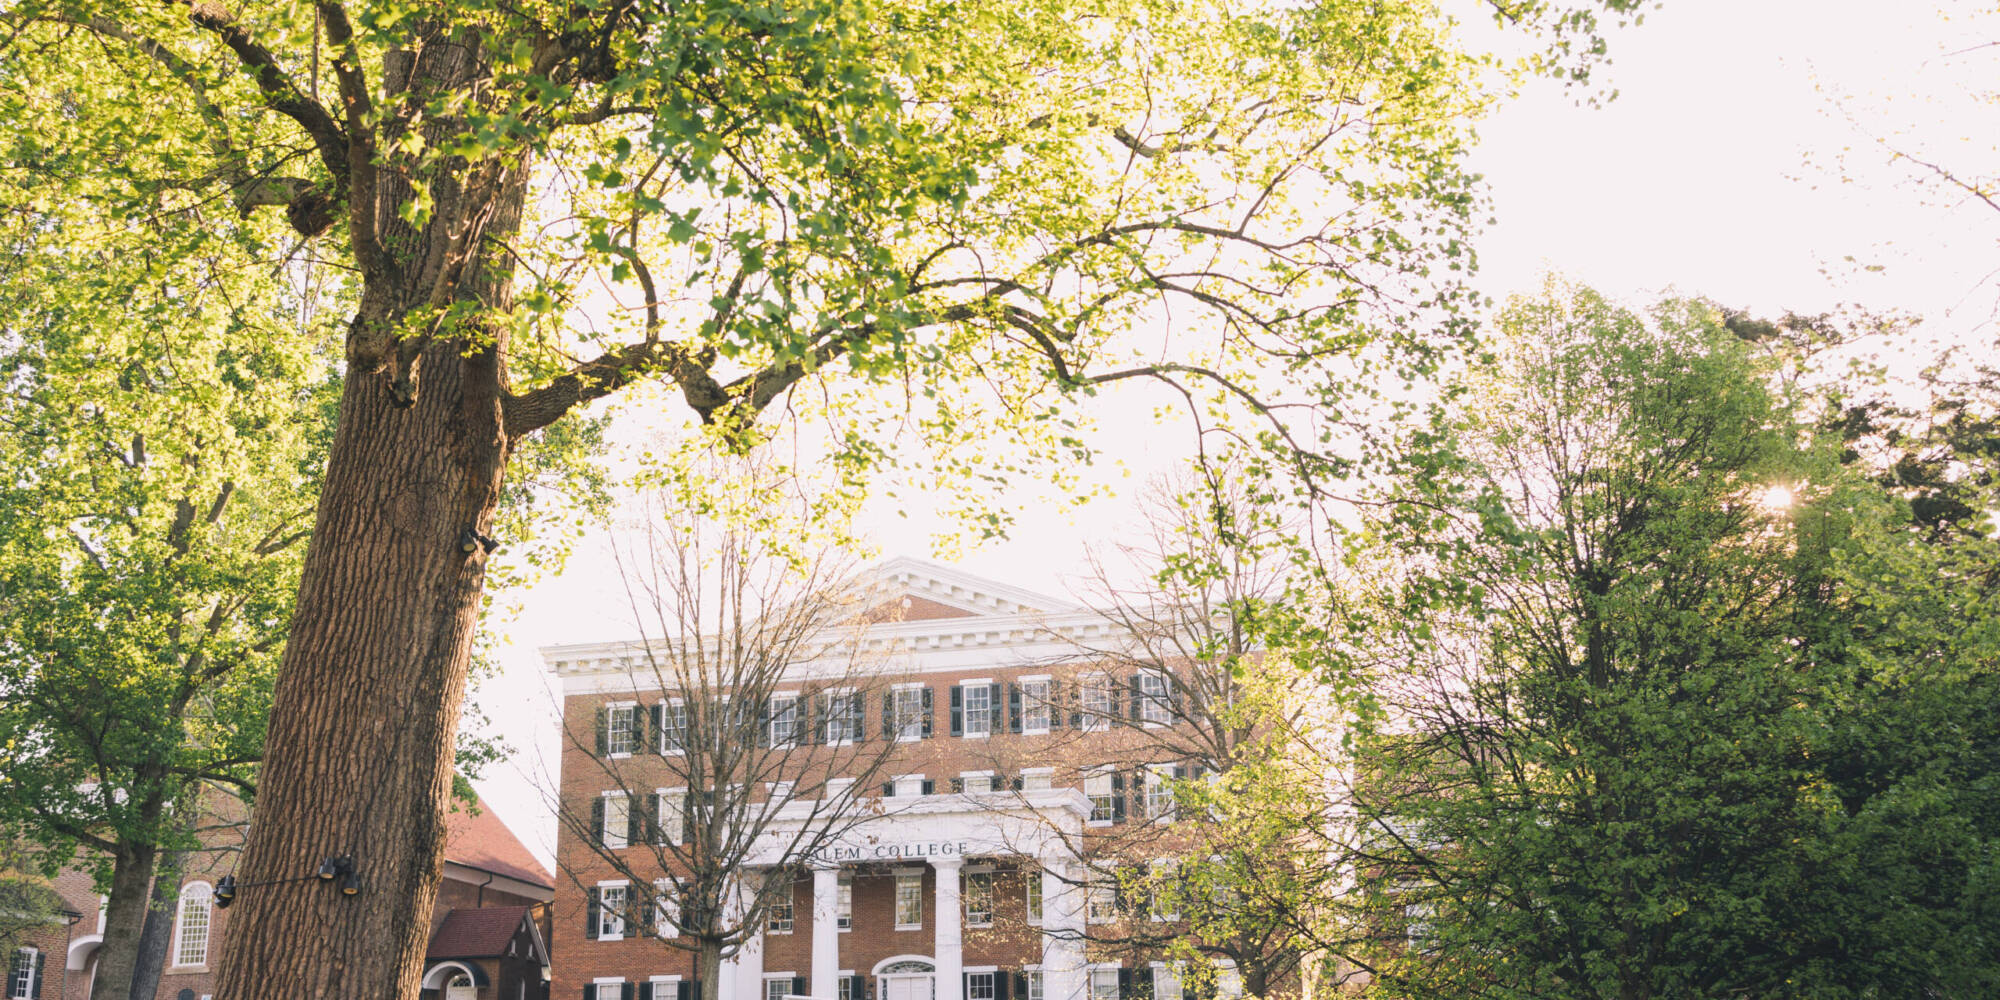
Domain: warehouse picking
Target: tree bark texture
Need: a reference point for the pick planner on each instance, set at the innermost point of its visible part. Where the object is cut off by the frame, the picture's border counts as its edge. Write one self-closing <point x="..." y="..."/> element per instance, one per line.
<point x="157" y="934"/>
<point x="358" y="757"/>
<point x="124" y="918"/>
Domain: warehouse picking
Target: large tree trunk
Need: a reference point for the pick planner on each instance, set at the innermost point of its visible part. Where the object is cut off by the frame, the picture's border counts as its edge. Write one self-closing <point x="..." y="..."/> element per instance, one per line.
<point x="154" y="938"/>
<point x="358" y="760"/>
<point x="124" y="918"/>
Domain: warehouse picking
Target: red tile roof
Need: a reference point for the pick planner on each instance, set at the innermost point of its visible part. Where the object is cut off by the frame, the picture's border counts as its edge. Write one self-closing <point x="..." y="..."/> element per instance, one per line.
<point x="484" y="842"/>
<point x="481" y="932"/>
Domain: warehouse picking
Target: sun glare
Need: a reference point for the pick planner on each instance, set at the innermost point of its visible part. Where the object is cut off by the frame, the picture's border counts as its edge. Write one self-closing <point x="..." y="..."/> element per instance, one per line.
<point x="1776" y="498"/>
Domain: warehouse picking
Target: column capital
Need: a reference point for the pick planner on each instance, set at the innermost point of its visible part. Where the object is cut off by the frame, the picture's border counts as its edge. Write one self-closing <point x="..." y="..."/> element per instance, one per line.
<point x="951" y="864"/>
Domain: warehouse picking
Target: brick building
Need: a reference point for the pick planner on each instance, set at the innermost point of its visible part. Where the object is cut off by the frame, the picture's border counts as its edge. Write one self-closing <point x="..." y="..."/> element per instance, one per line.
<point x="489" y="928"/>
<point x="1009" y="759"/>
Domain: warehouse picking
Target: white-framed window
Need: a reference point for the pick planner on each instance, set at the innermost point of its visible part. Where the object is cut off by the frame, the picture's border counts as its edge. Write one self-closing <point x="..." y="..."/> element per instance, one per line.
<point x="664" y="987"/>
<point x="977" y="893"/>
<point x="21" y="974"/>
<point x="621" y="732"/>
<point x="1037" y="779"/>
<point x="1032" y="876"/>
<point x="908" y="701"/>
<point x="907" y="785"/>
<point x="909" y="901"/>
<point x="977" y="700"/>
<point x="617" y="820"/>
<point x="843" y="903"/>
<point x="778" y="913"/>
<point x="979" y="985"/>
<point x="673" y="814"/>
<point x="605" y="988"/>
<point x="1155" y="698"/>
<point x="191" y="924"/>
<point x="1162" y="895"/>
<point x="1160" y="792"/>
<point x="1103" y="795"/>
<point x="1100" y="902"/>
<point x="1103" y="982"/>
<point x="1167" y="981"/>
<point x="976" y="781"/>
<point x="844" y="987"/>
<point x="1094" y="701"/>
<point x="1417" y="923"/>
<point x="1035" y="988"/>
<point x="1228" y="979"/>
<point x="666" y="909"/>
<point x="673" y="726"/>
<point x="785" y="721"/>
<point x="1035" y="709"/>
<point x="843" y="717"/>
<point x="612" y="900"/>
<point x="777" y="987"/>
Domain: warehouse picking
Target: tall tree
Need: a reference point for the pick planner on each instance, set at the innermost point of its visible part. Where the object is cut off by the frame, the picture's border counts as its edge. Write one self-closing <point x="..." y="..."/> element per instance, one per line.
<point x="166" y="419"/>
<point x="922" y="195"/>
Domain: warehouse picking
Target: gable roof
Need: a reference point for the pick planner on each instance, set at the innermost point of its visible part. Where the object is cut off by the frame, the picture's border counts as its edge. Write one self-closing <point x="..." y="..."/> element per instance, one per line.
<point x="924" y="590"/>
<point x="481" y="932"/>
<point x="478" y="838"/>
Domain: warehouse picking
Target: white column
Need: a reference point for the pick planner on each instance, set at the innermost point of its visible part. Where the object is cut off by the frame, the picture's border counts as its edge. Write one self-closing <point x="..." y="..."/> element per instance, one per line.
<point x="743" y="974"/>
<point x="1063" y="976"/>
<point x="950" y="947"/>
<point x="826" y="935"/>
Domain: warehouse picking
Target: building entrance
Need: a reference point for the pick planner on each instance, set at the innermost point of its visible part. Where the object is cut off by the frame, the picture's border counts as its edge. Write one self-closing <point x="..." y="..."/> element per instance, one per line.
<point x="908" y="981"/>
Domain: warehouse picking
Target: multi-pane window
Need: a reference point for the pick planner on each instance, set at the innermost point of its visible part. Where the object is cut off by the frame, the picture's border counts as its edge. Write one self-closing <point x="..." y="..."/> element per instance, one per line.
<point x="674" y="727"/>
<point x="1159" y="793"/>
<point x="21" y="975"/>
<point x="1155" y="706"/>
<point x="784" y="721"/>
<point x="1100" y="903"/>
<point x="909" y="709"/>
<point x="978" y="896"/>
<point x="1166" y="982"/>
<point x="1033" y="877"/>
<point x="617" y="821"/>
<point x="1095" y="701"/>
<point x="979" y="986"/>
<point x="777" y="988"/>
<point x="1103" y="984"/>
<point x="666" y="909"/>
<point x="778" y="903"/>
<point x="909" y="901"/>
<point x="844" y="988"/>
<point x="607" y="989"/>
<point x="1035" y="985"/>
<point x="620" y="735"/>
<point x="611" y="903"/>
<point x="1228" y="981"/>
<point x="978" y="709"/>
<point x="843" y="717"/>
<point x="1162" y="894"/>
<point x="673" y="814"/>
<point x="1037" y="779"/>
<point x="191" y="927"/>
<point x="1103" y="797"/>
<point x="843" y="904"/>
<point x="976" y="781"/>
<point x="1035" y="706"/>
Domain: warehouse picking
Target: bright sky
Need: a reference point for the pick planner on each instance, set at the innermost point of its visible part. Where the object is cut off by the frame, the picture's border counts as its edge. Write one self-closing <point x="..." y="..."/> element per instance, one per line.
<point x="1739" y="163"/>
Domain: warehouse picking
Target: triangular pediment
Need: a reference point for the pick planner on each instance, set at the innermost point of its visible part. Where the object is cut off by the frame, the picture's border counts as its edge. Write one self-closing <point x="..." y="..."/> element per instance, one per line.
<point x="906" y="589"/>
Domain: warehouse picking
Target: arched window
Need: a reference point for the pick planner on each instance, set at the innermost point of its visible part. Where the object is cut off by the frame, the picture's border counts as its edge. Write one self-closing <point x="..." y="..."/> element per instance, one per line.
<point x="191" y="927"/>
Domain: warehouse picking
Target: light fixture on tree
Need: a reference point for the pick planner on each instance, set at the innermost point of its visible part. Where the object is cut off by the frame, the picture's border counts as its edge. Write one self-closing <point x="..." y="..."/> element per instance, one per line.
<point x="339" y="867"/>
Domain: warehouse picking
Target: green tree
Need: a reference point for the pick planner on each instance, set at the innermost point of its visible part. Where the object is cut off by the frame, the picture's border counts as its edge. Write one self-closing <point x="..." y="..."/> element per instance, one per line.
<point x="165" y="426"/>
<point x="976" y="205"/>
<point x="1609" y="654"/>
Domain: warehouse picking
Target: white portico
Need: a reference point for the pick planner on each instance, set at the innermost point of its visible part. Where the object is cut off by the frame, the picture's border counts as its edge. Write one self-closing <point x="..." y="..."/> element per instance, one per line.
<point x="942" y="832"/>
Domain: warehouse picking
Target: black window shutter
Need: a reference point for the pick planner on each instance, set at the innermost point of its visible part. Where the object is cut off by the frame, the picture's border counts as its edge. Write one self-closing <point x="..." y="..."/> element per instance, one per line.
<point x="590" y="991"/>
<point x="687" y="819"/>
<point x="957" y="710"/>
<point x="625" y="991"/>
<point x="889" y="715"/>
<point x="597" y="820"/>
<point x="1020" y="984"/>
<point x="1117" y="797"/>
<point x="1013" y="708"/>
<point x="652" y="817"/>
<point x="1001" y="981"/>
<point x="646" y="990"/>
<point x="639" y="717"/>
<point x="659" y="728"/>
<point x="888" y="789"/>
<point x="995" y="709"/>
<point x="1145" y="979"/>
<point x="930" y="787"/>
<point x="1116" y="696"/>
<point x="603" y="731"/>
<point x="1180" y="772"/>
<point x="635" y="823"/>
<point x="686" y="990"/>
<point x="1173" y="695"/>
<point x="1017" y="782"/>
<point x="1125" y="984"/>
<point x="956" y="785"/>
<point x="928" y="712"/>
<point x="1138" y="697"/>
<point x="823" y="719"/>
<point x="764" y="724"/>
<point x="38" y="962"/>
<point x="1139" y="791"/>
<point x="1075" y="707"/>
<point x="799" y="986"/>
<point x="590" y="908"/>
